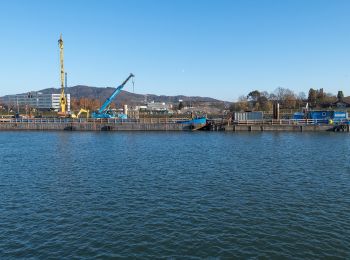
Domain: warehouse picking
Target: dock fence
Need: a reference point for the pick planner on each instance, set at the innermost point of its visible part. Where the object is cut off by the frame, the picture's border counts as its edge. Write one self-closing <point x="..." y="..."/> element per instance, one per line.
<point x="95" y="120"/>
<point x="287" y="122"/>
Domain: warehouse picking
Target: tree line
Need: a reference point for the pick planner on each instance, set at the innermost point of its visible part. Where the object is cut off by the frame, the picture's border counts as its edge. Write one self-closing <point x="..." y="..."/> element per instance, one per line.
<point x="87" y="103"/>
<point x="263" y="101"/>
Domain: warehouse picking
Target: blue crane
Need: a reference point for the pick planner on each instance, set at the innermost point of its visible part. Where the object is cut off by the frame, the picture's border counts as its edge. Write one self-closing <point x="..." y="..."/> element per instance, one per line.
<point x="104" y="111"/>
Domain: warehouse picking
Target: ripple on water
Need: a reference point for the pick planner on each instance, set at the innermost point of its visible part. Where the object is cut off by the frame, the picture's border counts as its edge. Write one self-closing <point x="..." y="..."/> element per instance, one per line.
<point x="174" y="195"/>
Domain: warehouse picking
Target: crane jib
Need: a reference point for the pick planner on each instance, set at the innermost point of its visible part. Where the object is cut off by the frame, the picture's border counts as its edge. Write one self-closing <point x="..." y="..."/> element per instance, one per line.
<point x="114" y="94"/>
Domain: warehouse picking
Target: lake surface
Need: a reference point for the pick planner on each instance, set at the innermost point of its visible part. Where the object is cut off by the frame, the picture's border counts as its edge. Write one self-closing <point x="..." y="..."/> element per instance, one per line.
<point x="69" y="195"/>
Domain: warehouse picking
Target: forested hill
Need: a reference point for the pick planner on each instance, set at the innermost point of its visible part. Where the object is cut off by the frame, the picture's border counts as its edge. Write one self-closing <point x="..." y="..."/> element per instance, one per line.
<point x="81" y="91"/>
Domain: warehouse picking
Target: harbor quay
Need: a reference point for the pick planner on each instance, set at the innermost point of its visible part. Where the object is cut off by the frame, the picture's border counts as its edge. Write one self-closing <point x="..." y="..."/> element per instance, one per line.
<point x="169" y="124"/>
<point x="289" y="128"/>
<point x="68" y="124"/>
<point x="290" y="125"/>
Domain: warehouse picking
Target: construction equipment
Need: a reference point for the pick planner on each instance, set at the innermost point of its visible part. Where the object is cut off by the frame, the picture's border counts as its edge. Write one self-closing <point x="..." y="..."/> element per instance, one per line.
<point x="63" y="99"/>
<point x="105" y="111"/>
<point x="82" y="110"/>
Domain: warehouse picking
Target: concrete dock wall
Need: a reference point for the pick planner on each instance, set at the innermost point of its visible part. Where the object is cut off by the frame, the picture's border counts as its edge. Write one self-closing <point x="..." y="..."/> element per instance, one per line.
<point x="291" y="128"/>
<point x="156" y="125"/>
<point x="93" y="126"/>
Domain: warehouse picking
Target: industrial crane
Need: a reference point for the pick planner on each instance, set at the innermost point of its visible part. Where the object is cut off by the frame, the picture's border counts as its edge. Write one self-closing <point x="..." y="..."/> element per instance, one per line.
<point x="104" y="111"/>
<point x="63" y="99"/>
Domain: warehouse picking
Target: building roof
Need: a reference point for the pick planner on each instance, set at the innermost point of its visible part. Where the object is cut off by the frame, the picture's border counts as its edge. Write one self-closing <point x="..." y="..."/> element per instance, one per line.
<point x="341" y="102"/>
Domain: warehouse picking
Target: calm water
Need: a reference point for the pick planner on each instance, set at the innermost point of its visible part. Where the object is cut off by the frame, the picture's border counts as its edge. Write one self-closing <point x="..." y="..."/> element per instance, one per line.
<point x="174" y="195"/>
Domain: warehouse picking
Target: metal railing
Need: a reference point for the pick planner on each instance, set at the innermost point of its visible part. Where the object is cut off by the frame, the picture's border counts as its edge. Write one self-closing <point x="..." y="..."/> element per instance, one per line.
<point x="290" y="122"/>
<point x="171" y="121"/>
<point x="94" y="120"/>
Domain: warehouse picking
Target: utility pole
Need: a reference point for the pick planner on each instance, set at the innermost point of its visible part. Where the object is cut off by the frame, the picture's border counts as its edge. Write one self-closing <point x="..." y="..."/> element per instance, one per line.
<point x="17" y="104"/>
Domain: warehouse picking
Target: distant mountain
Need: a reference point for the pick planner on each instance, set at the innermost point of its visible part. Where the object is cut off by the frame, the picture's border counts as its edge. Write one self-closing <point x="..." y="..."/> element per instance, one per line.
<point x="81" y="91"/>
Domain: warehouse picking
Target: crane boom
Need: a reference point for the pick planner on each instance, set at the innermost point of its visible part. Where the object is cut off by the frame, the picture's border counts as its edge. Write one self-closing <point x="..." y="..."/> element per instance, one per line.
<point x="63" y="100"/>
<point x="101" y="113"/>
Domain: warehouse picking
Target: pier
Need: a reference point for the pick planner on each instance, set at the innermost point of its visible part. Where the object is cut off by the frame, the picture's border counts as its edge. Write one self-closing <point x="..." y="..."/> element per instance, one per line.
<point x="168" y="124"/>
<point x="293" y="125"/>
<point x="69" y="124"/>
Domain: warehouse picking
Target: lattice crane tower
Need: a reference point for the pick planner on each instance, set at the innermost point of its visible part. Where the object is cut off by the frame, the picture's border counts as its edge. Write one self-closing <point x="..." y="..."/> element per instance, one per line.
<point x="63" y="99"/>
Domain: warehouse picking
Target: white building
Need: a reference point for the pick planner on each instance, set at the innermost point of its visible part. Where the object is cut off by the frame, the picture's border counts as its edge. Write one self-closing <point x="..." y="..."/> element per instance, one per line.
<point x="157" y="106"/>
<point x="36" y="100"/>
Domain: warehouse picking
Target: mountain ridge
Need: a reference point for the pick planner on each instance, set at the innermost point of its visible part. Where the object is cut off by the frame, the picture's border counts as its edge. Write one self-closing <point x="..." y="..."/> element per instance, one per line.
<point x="101" y="93"/>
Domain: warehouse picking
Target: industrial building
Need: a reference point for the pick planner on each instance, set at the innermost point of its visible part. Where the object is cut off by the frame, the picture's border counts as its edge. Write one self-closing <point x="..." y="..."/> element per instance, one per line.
<point x="158" y="107"/>
<point x="36" y="100"/>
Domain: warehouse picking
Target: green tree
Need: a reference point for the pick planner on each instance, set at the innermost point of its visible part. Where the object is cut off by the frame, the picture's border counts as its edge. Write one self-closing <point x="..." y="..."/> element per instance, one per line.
<point x="312" y="97"/>
<point x="263" y="103"/>
<point x="340" y="95"/>
<point x="254" y="96"/>
<point x="320" y="96"/>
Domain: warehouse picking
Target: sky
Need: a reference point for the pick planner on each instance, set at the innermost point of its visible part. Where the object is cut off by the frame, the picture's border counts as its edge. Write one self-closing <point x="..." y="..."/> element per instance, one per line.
<point x="215" y="48"/>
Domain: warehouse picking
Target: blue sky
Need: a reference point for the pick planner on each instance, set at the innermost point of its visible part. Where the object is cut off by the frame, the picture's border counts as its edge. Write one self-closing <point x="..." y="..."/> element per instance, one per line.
<point x="222" y="49"/>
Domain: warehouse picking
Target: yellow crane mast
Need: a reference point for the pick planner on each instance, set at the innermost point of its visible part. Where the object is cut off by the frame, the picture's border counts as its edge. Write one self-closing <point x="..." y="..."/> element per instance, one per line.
<point x="63" y="99"/>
